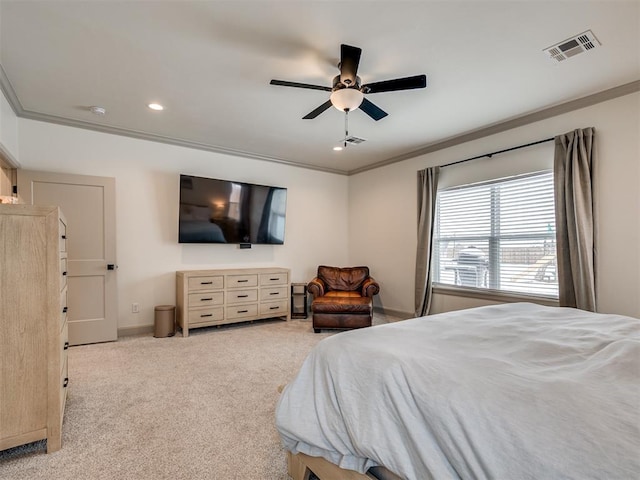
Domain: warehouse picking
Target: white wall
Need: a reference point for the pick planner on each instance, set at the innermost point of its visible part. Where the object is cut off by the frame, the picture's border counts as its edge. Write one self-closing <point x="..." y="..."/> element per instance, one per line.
<point x="372" y="213"/>
<point x="147" y="193"/>
<point x="383" y="207"/>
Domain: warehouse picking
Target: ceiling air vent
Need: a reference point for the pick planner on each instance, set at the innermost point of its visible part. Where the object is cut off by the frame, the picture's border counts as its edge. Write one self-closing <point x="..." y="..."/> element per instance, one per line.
<point x="354" y="140"/>
<point x="570" y="47"/>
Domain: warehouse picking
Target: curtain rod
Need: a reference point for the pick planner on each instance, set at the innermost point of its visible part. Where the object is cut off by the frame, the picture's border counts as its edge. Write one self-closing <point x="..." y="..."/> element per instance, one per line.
<point x="499" y="151"/>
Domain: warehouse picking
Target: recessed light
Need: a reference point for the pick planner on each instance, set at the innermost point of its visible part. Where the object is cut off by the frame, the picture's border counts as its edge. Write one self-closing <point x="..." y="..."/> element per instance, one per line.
<point x="97" y="110"/>
<point x="337" y="149"/>
<point x="155" y="106"/>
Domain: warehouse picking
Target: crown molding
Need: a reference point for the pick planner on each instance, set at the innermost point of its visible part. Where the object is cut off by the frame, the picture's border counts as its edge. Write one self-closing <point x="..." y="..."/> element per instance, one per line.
<point x="543" y="114"/>
<point x="6" y="158"/>
<point x="10" y="93"/>
<point x="603" y="96"/>
<point x="70" y="122"/>
<point x="14" y="102"/>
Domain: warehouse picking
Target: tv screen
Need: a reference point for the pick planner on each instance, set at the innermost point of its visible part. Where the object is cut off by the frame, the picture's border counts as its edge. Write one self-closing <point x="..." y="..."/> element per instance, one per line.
<point x="222" y="211"/>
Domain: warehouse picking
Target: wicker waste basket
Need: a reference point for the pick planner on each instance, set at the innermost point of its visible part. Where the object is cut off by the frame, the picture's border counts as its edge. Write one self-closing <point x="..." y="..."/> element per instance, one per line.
<point x="165" y="321"/>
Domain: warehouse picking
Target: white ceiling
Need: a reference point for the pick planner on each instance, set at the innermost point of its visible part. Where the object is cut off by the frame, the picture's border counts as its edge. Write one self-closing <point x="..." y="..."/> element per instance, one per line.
<point x="210" y="62"/>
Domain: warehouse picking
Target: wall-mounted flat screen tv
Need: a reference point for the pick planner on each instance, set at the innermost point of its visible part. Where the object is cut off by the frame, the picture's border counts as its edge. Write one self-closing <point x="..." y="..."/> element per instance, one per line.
<point x="222" y="211"/>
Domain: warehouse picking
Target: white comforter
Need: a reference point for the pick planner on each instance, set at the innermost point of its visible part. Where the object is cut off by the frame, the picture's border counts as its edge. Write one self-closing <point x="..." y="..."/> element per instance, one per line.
<point x="503" y="392"/>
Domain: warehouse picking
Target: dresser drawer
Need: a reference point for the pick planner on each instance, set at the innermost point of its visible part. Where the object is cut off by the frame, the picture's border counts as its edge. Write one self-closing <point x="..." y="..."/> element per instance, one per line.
<point x="63" y="273"/>
<point x="204" y="299"/>
<point x="64" y="344"/>
<point x="64" y="385"/>
<point x="206" y="315"/>
<point x="276" y="309"/>
<point x="242" y="296"/>
<point x="241" y="311"/>
<point x="234" y="281"/>
<point x="273" y="293"/>
<point x="214" y="282"/>
<point x="274" y="278"/>
<point x="63" y="307"/>
<point x="63" y="235"/>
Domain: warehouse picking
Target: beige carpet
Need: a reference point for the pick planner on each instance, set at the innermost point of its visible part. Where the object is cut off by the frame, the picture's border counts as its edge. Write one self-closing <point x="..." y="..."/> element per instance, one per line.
<point x="200" y="407"/>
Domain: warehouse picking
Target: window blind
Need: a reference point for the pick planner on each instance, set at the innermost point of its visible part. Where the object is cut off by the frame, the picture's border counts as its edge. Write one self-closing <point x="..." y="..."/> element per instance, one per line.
<point x="498" y="235"/>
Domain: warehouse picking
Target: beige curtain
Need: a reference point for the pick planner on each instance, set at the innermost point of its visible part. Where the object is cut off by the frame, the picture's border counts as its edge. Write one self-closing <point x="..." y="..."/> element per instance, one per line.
<point x="427" y="190"/>
<point x="575" y="223"/>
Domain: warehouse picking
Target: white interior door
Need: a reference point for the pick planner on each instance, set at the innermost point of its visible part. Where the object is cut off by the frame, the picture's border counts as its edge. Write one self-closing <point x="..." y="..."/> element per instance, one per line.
<point x="88" y="203"/>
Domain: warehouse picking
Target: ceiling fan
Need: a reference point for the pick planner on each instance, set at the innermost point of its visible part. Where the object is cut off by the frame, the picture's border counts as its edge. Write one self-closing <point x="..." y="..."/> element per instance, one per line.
<point x="347" y="94"/>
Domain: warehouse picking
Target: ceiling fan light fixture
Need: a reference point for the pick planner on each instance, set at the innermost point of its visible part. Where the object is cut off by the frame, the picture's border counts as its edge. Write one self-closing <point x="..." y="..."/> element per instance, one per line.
<point x="346" y="99"/>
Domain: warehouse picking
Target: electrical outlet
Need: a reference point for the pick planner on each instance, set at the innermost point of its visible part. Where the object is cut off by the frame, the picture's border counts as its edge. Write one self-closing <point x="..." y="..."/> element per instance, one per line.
<point x="135" y="308"/>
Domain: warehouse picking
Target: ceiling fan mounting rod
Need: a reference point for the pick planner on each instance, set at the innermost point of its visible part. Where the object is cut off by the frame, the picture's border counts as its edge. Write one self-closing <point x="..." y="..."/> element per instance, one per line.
<point x="346" y="126"/>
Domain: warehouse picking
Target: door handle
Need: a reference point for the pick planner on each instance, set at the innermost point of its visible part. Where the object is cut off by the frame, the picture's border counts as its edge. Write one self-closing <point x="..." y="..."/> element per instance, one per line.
<point x="111" y="266"/>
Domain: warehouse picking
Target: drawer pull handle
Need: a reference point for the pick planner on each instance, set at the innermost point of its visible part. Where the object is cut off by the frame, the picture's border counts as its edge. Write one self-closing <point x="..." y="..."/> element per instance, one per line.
<point x="274" y="293"/>
<point x="242" y="296"/>
<point x="206" y="283"/>
<point x="64" y="274"/>
<point x="66" y="346"/>
<point x="243" y="281"/>
<point x="243" y="311"/>
<point x="206" y="299"/>
<point x="206" y="315"/>
<point x="274" y="308"/>
<point x="274" y="279"/>
<point x="65" y="309"/>
<point x="65" y="383"/>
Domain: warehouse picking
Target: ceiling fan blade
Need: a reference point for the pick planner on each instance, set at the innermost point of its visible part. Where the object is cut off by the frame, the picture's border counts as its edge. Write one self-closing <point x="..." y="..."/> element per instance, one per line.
<point x="407" y="83"/>
<point x="349" y="61"/>
<point x="317" y="111"/>
<point x="284" y="83"/>
<point x="372" y="110"/>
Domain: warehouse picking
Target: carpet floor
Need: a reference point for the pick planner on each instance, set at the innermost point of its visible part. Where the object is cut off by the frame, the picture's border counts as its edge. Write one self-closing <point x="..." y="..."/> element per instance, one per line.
<point x="200" y="407"/>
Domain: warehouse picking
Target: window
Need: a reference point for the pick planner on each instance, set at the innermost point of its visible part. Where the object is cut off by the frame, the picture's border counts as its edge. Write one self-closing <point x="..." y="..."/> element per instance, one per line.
<point x="498" y="235"/>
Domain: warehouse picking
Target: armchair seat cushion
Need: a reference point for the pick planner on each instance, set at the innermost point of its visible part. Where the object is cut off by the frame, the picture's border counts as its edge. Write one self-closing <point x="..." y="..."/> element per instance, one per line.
<point x="339" y="303"/>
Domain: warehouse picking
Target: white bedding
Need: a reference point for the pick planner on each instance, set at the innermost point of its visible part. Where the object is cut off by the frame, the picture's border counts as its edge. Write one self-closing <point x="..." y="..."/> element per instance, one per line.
<point x="503" y="392"/>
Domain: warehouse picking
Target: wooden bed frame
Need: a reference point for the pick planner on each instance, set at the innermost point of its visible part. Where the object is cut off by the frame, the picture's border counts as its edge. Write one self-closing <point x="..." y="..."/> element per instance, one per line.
<point x="300" y="466"/>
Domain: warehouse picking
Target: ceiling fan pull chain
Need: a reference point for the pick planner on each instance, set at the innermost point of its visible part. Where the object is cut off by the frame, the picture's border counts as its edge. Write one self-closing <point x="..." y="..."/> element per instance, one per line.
<point x="346" y="126"/>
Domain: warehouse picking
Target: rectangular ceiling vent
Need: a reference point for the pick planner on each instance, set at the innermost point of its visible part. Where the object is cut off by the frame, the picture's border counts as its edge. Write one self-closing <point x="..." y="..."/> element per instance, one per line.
<point x="570" y="47"/>
<point x="351" y="140"/>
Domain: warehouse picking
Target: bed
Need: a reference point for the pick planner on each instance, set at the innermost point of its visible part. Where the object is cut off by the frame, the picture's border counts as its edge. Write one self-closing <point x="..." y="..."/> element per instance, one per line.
<point x="195" y="231"/>
<point x="514" y="391"/>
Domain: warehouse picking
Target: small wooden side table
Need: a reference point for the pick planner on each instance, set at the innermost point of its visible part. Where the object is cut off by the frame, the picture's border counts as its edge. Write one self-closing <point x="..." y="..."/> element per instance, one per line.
<point x="298" y="300"/>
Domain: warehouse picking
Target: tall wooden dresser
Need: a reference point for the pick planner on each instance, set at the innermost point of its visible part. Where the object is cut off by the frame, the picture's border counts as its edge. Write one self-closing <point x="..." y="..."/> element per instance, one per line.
<point x="33" y="325"/>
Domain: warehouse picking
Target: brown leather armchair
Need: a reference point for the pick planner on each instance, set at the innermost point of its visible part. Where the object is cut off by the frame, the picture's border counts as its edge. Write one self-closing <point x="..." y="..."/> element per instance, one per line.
<point x="342" y="297"/>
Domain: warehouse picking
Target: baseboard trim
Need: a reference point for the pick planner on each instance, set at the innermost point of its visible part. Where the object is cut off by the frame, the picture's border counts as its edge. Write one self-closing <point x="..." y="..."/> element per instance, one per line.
<point x="133" y="331"/>
<point x="394" y="313"/>
<point x="148" y="329"/>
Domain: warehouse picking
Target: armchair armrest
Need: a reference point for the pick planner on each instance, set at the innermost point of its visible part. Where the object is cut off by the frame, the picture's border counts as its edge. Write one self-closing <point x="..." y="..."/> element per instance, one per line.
<point x="370" y="287"/>
<point x="316" y="287"/>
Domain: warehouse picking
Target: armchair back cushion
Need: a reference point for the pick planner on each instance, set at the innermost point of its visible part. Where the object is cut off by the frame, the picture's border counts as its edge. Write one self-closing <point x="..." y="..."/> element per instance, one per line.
<point x="345" y="279"/>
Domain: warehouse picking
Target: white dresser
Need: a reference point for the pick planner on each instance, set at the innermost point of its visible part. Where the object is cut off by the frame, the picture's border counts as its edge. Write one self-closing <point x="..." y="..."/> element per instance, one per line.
<point x="218" y="297"/>
<point x="33" y="325"/>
